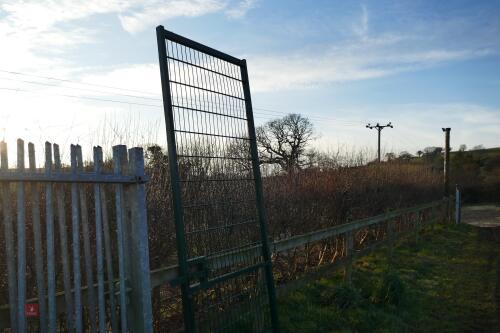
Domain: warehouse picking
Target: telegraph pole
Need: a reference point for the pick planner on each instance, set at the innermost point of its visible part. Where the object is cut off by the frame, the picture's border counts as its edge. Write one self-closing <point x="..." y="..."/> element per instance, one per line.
<point x="446" y="173"/>
<point x="379" y="129"/>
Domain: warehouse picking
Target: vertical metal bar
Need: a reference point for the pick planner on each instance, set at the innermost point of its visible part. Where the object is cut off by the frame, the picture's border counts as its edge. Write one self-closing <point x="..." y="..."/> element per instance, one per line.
<point x="109" y="261"/>
<point x="9" y="240"/>
<point x="37" y="237"/>
<point x="86" y="246"/>
<point x="63" y="235"/>
<point x="458" y="205"/>
<point x="260" y="198"/>
<point x="188" y="311"/>
<point x="119" y="162"/>
<point x="49" y="211"/>
<point x="141" y="309"/>
<point x="75" y="226"/>
<point x="21" y="241"/>
<point x="99" y="244"/>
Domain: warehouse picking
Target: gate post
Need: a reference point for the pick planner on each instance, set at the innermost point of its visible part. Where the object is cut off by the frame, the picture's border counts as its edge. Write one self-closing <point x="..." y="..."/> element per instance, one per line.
<point x="140" y="314"/>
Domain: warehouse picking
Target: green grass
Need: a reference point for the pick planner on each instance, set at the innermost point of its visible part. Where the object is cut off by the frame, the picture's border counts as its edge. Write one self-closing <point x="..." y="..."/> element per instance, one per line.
<point x="448" y="282"/>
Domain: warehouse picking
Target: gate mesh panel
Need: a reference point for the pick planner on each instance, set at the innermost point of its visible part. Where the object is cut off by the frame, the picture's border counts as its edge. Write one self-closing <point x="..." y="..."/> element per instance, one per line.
<point x="218" y="191"/>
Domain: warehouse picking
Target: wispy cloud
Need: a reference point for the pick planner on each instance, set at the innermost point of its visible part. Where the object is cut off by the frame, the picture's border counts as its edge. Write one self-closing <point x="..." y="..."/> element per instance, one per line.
<point x="139" y="18"/>
<point x="360" y="27"/>
<point x="368" y="59"/>
<point x="240" y="9"/>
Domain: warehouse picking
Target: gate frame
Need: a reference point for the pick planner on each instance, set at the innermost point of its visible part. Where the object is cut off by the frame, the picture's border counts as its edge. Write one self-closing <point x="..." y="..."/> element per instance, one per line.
<point x="187" y="296"/>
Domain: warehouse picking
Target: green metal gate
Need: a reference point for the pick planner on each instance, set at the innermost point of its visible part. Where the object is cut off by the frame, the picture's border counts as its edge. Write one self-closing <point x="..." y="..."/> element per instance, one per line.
<point x="224" y="259"/>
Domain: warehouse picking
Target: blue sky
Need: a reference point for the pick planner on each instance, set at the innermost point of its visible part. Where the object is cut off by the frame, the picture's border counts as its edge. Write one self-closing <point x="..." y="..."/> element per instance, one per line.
<point x="421" y="64"/>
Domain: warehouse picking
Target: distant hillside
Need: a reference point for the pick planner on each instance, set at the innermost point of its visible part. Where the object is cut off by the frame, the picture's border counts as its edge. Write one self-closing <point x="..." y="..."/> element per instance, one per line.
<point x="478" y="172"/>
<point x="481" y="153"/>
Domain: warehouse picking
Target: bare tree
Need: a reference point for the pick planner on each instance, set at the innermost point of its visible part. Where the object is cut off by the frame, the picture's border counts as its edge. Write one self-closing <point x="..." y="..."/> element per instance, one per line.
<point x="284" y="142"/>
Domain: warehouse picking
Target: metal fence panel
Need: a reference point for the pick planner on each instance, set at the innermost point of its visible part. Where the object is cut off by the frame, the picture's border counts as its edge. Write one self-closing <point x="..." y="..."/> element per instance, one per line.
<point x="67" y="304"/>
<point x="216" y="187"/>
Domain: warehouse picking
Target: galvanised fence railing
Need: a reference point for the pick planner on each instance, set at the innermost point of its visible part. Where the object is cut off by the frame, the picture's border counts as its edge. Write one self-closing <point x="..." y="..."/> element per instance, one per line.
<point x="74" y="261"/>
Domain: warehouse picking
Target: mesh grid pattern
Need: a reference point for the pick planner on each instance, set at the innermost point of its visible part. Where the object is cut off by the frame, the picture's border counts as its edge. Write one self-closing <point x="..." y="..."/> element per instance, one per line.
<point x="218" y="190"/>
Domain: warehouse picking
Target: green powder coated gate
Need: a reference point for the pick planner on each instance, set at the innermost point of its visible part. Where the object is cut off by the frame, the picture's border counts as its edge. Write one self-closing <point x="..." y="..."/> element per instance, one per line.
<point x="224" y="259"/>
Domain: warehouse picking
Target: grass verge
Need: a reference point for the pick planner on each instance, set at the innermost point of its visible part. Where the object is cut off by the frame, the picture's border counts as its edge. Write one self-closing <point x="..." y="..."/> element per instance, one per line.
<point x="447" y="282"/>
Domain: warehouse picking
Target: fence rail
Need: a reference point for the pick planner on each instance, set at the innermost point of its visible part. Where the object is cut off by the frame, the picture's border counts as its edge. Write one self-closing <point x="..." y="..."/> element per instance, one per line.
<point x="434" y="211"/>
<point x="50" y="287"/>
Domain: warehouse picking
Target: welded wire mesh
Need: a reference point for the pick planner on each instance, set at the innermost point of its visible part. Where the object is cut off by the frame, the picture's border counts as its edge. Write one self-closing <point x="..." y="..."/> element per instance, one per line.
<point x="217" y="191"/>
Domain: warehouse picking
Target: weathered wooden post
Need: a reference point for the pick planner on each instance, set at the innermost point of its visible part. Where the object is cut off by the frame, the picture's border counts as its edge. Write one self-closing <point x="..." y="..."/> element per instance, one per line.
<point x="391" y="234"/>
<point x="349" y="253"/>
<point x="446" y="173"/>
<point x="446" y="170"/>
<point x="418" y="225"/>
<point x="458" y="205"/>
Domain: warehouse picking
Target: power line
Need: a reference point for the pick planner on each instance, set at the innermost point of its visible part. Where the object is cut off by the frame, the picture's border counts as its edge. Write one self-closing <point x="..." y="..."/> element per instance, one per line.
<point x="316" y="117"/>
<point x="81" y="89"/>
<point x="266" y="115"/>
<point x="76" y="82"/>
<point x="80" y="97"/>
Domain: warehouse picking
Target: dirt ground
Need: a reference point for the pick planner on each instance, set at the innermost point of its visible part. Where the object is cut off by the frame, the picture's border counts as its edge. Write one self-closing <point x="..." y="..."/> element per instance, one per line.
<point x="486" y="216"/>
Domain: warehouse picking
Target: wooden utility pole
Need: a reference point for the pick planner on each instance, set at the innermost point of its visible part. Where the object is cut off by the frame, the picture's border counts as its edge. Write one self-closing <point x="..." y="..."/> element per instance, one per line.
<point x="446" y="172"/>
<point x="379" y="129"/>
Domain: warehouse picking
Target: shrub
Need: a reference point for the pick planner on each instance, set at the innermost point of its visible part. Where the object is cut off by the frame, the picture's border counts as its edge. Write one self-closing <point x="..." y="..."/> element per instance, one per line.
<point x="390" y="290"/>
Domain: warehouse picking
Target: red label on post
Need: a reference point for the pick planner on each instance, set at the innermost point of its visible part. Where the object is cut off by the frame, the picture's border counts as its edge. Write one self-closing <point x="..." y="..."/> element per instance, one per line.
<point x="31" y="310"/>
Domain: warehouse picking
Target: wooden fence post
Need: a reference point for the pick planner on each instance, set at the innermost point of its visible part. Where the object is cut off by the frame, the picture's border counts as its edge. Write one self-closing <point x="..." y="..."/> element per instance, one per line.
<point x="458" y="205"/>
<point x="418" y="226"/>
<point x="140" y="309"/>
<point x="391" y="228"/>
<point x="349" y="253"/>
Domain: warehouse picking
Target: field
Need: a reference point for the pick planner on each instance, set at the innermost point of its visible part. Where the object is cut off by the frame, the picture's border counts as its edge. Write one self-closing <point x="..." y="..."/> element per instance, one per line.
<point x="448" y="282"/>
